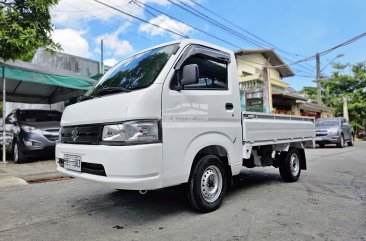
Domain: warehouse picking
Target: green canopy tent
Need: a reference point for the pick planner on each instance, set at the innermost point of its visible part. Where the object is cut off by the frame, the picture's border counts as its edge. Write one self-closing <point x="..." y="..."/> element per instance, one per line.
<point x="31" y="83"/>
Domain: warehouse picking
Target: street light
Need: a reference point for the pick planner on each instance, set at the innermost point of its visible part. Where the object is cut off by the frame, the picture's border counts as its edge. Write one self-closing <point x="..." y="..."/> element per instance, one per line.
<point x="331" y="61"/>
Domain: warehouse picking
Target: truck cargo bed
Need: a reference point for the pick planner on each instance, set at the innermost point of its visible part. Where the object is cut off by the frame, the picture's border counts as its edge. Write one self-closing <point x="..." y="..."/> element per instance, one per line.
<point x="265" y="129"/>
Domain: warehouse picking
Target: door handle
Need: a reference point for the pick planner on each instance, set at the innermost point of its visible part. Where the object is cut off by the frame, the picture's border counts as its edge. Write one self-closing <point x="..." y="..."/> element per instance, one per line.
<point x="229" y="106"/>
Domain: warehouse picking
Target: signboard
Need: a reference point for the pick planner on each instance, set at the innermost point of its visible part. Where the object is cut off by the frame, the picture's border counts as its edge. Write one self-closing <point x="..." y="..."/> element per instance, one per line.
<point x="254" y="101"/>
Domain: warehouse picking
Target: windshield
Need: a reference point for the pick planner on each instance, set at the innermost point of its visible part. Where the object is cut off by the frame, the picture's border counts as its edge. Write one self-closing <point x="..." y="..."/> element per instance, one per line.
<point x="39" y="116"/>
<point x="327" y="123"/>
<point x="136" y="72"/>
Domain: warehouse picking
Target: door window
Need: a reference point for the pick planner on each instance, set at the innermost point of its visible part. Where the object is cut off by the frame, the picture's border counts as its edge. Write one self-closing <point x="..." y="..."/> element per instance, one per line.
<point x="10" y="119"/>
<point x="212" y="74"/>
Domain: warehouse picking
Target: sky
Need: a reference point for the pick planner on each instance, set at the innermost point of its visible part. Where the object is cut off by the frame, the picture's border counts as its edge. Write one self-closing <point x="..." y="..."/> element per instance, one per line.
<point x="295" y="29"/>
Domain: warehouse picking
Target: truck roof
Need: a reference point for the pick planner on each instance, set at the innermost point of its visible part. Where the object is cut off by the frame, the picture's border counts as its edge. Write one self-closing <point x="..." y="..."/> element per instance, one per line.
<point x="186" y="42"/>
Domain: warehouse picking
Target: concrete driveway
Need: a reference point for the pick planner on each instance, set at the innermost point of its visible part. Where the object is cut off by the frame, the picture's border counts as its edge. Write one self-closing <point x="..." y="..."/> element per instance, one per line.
<point x="328" y="203"/>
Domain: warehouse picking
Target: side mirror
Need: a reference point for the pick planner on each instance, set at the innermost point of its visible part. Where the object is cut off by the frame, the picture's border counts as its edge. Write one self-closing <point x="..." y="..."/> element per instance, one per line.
<point x="190" y="75"/>
<point x="9" y="121"/>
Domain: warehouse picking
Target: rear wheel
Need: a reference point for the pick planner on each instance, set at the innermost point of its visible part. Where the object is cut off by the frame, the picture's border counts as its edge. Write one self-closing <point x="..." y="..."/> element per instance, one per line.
<point x="207" y="184"/>
<point x="18" y="155"/>
<point x="352" y="141"/>
<point x="290" y="167"/>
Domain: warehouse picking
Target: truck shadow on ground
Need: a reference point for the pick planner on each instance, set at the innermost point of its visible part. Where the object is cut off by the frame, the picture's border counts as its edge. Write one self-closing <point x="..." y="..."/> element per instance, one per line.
<point x="132" y="207"/>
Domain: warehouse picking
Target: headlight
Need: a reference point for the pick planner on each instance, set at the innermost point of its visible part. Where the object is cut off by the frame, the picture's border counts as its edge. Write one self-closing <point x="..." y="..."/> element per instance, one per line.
<point x="333" y="131"/>
<point x="130" y="132"/>
<point x="31" y="129"/>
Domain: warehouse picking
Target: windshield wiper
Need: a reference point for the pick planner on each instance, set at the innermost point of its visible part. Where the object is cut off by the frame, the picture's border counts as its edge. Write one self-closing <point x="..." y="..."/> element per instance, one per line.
<point x="109" y="90"/>
<point x="104" y="91"/>
<point x="85" y="97"/>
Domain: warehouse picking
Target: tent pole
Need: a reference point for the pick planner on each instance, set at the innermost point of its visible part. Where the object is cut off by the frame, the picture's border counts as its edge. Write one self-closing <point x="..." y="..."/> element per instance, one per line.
<point x="4" y="114"/>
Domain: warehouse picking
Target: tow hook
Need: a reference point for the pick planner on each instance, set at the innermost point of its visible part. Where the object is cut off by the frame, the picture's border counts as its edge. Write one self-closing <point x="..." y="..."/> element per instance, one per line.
<point x="143" y="192"/>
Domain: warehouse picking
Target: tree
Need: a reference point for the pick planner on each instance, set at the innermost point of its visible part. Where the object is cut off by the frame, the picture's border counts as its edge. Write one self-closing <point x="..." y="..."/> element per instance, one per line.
<point x="25" y="25"/>
<point x="309" y="92"/>
<point x="347" y="81"/>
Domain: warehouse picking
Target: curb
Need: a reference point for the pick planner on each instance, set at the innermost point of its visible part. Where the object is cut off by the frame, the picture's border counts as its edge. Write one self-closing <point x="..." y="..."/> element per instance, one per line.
<point x="11" y="181"/>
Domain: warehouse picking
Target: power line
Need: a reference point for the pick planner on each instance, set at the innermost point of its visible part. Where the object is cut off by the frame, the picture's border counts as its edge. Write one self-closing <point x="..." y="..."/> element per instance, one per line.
<point x="140" y="19"/>
<point x="138" y="4"/>
<point x="91" y="16"/>
<point x="198" y="14"/>
<point x="203" y="16"/>
<point x="252" y="34"/>
<point x="325" y="52"/>
<point x="242" y="29"/>
<point x="197" y="29"/>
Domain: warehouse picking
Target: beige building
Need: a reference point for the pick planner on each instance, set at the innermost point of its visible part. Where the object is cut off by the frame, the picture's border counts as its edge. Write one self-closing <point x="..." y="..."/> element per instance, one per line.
<point x="256" y="65"/>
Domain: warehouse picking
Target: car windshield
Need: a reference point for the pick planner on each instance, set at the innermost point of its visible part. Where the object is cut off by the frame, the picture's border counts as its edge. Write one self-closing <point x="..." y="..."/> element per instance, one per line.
<point x="39" y="116"/>
<point x="327" y="123"/>
<point x="136" y="72"/>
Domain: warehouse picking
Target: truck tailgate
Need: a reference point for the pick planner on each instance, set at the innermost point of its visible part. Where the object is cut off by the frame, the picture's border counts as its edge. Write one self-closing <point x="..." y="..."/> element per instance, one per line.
<point x="262" y="128"/>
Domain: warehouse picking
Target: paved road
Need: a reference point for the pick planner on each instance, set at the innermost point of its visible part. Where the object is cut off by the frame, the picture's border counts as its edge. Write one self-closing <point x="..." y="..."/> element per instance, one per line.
<point x="328" y="203"/>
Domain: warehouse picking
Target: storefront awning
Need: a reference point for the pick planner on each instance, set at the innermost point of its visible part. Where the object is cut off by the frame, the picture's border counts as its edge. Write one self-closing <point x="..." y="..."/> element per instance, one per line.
<point x="31" y="83"/>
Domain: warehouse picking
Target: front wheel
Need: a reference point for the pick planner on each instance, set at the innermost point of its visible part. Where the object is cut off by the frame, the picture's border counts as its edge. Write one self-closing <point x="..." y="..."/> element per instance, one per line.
<point x="341" y="142"/>
<point x="18" y="155"/>
<point x="290" y="166"/>
<point x="207" y="184"/>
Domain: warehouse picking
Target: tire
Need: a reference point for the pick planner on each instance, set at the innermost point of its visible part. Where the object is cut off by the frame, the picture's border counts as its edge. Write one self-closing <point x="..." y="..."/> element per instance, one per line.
<point x="341" y="142"/>
<point x="207" y="184"/>
<point x="290" y="166"/>
<point x="18" y="155"/>
<point x="321" y="145"/>
<point x="352" y="141"/>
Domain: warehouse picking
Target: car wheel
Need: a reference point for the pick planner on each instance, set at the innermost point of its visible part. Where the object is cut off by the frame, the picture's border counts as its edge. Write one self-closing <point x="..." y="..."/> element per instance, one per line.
<point x="290" y="166"/>
<point x="207" y="184"/>
<point x="18" y="155"/>
<point x="321" y="145"/>
<point x="352" y="141"/>
<point x="341" y="142"/>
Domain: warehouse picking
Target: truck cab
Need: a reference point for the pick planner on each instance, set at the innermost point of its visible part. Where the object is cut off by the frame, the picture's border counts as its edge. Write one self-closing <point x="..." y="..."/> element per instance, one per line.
<point x="166" y="116"/>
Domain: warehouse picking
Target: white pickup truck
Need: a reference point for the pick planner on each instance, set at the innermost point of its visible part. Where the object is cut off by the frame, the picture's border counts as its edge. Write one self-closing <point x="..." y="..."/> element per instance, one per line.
<point x="171" y="115"/>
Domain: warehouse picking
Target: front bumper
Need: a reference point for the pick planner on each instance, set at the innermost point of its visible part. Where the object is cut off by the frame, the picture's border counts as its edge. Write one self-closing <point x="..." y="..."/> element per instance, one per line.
<point x="135" y="167"/>
<point x="327" y="139"/>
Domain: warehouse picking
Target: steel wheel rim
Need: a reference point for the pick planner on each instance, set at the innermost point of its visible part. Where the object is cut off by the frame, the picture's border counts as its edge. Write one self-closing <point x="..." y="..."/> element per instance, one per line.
<point x="211" y="184"/>
<point x="294" y="164"/>
<point x="15" y="152"/>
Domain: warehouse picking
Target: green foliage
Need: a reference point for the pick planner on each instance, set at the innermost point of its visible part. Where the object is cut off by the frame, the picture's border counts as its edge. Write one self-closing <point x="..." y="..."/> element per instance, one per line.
<point x="25" y="25"/>
<point x="348" y="81"/>
<point x="309" y="92"/>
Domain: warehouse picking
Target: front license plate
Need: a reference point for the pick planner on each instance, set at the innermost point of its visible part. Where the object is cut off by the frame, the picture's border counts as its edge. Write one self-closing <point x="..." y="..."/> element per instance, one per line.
<point x="319" y="138"/>
<point x="72" y="162"/>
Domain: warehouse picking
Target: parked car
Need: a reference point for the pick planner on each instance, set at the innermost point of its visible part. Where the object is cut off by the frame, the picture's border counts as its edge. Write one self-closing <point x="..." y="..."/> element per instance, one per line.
<point x="334" y="131"/>
<point x="34" y="133"/>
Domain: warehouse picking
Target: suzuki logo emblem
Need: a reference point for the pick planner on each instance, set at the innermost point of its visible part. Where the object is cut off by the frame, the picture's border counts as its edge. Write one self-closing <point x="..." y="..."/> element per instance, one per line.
<point x="74" y="134"/>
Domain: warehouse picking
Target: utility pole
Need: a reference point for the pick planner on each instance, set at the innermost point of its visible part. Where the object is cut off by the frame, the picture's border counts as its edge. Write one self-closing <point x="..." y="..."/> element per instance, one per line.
<point x="266" y="90"/>
<point x="318" y="81"/>
<point x="345" y="108"/>
<point x="101" y="57"/>
<point x="4" y="115"/>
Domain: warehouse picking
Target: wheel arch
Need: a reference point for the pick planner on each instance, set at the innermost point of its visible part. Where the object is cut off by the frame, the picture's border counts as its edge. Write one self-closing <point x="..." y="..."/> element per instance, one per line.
<point x="216" y="144"/>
